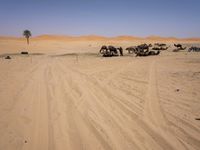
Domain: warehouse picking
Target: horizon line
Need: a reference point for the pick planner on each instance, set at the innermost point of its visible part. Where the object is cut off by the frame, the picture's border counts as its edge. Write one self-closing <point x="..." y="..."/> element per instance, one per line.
<point x="102" y="36"/>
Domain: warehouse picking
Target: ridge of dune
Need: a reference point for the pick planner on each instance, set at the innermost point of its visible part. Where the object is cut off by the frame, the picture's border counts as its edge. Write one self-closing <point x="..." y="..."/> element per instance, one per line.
<point x="65" y="37"/>
<point x="163" y="38"/>
<point x="159" y="38"/>
<point x="99" y="38"/>
<point x="92" y="37"/>
<point x="192" y="39"/>
<point x="126" y="37"/>
<point x="10" y="38"/>
<point x="52" y="37"/>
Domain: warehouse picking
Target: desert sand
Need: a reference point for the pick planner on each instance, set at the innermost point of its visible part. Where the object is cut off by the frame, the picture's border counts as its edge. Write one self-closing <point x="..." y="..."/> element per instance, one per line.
<point x="64" y="95"/>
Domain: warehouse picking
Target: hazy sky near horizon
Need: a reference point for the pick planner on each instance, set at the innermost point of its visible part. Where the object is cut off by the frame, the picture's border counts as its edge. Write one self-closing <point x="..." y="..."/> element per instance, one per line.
<point x="178" y="18"/>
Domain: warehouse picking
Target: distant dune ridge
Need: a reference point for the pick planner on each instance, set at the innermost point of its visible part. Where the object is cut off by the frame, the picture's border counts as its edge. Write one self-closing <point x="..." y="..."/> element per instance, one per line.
<point x="99" y="38"/>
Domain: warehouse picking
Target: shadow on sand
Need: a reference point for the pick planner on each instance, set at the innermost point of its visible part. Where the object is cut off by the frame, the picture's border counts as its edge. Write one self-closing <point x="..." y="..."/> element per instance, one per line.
<point x="75" y="55"/>
<point x="19" y="54"/>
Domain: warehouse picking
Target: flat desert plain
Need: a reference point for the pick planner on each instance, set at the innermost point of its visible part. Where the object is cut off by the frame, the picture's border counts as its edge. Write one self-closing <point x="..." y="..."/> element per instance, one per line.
<point x="65" y="96"/>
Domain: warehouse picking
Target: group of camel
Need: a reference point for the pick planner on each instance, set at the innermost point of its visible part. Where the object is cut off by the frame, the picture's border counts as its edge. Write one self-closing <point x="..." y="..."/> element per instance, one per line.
<point x="191" y="49"/>
<point x="194" y="49"/>
<point x="109" y="51"/>
<point x="160" y="46"/>
<point x="142" y="50"/>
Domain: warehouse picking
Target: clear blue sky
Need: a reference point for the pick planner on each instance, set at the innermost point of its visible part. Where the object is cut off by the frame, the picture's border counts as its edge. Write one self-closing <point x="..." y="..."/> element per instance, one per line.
<point x="180" y="18"/>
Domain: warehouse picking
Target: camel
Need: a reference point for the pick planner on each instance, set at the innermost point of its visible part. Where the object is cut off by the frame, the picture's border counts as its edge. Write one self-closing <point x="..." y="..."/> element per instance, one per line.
<point x="131" y="49"/>
<point x="154" y="53"/>
<point x="110" y="51"/>
<point x="160" y="46"/>
<point x="179" y="47"/>
<point x="103" y="49"/>
<point x="194" y="49"/>
<point x="147" y="53"/>
<point x="113" y="50"/>
<point x="144" y="46"/>
<point x="121" y="51"/>
<point x="139" y="48"/>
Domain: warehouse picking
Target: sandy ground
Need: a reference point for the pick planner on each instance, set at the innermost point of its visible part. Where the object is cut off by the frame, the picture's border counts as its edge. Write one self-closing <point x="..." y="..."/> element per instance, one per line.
<point x="65" y="96"/>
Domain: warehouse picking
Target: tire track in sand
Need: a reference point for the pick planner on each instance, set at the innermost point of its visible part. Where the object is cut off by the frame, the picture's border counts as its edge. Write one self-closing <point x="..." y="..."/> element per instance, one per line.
<point x="153" y="113"/>
<point x="35" y="97"/>
<point x="106" y="99"/>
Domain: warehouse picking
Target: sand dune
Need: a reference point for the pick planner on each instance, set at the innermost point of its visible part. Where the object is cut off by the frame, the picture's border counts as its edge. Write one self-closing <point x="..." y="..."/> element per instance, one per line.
<point x="103" y="38"/>
<point x="71" y="98"/>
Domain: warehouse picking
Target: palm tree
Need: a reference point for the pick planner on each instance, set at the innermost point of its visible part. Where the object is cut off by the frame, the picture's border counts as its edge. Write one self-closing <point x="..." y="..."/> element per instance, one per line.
<point x="27" y="35"/>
